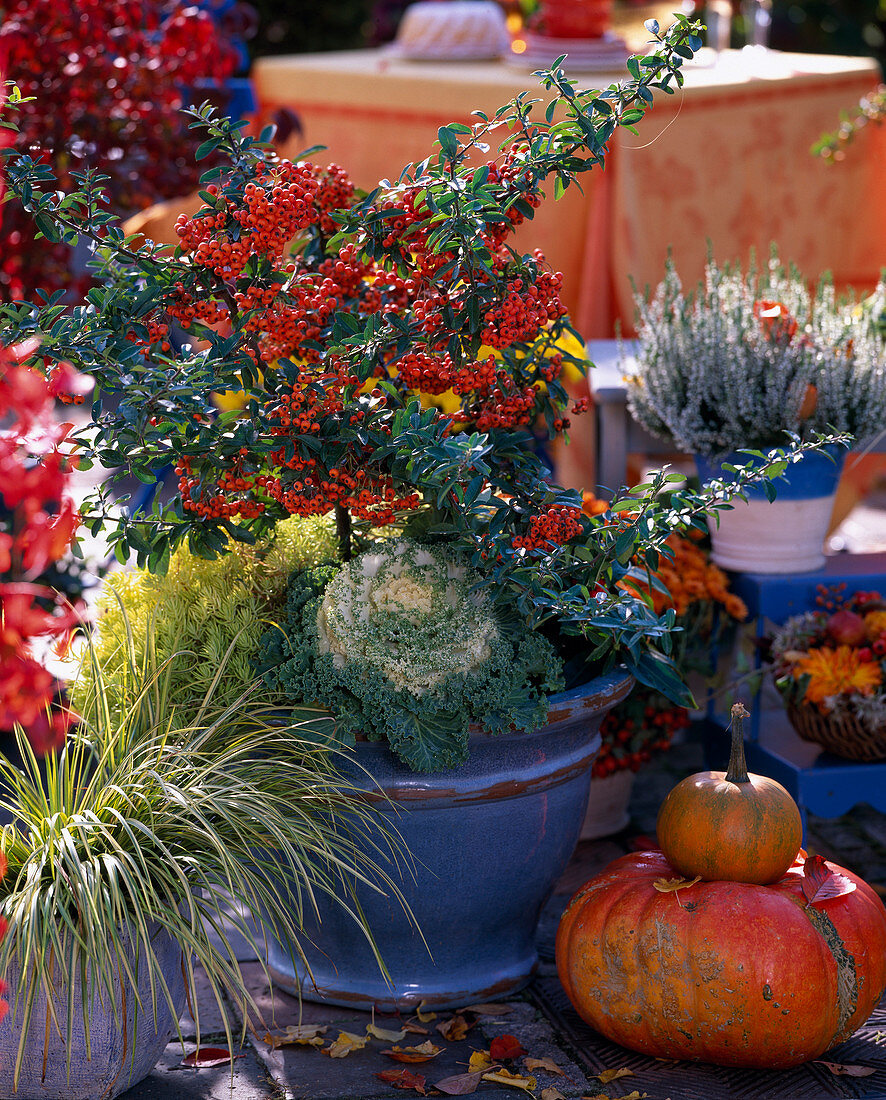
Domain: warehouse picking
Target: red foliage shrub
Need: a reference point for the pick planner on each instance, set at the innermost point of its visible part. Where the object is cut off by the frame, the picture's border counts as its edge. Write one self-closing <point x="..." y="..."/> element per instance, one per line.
<point x="107" y="81"/>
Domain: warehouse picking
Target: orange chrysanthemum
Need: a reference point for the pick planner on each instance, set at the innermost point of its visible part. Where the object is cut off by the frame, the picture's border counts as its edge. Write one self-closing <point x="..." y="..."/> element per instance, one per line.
<point x="837" y="671"/>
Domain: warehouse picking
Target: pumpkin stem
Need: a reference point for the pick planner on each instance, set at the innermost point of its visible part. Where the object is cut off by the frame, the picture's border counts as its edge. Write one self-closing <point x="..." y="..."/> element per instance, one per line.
<point x="737" y="772"/>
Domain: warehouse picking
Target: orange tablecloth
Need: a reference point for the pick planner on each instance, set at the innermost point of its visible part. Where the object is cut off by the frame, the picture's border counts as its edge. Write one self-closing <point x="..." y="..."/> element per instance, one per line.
<point x="726" y="160"/>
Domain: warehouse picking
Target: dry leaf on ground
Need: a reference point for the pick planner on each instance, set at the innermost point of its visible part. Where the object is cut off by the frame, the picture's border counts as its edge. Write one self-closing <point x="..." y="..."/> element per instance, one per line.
<point x="551" y="1094"/>
<point x="462" y="1084"/>
<point x="504" y="1047"/>
<point x="515" y="1080"/>
<point x="425" y="1017"/>
<point x="387" y="1036"/>
<point x="206" y="1057"/>
<point x="345" y="1044"/>
<point x="403" y="1079"/>
<point x="840" y="1070"/>
<point x="489" y="1009"/>
<point x="480" y="1060"/>
<point x="613" y="1075"/>
<point x="547" y="1064"/>
<point x="635" y="1095"/>
<point x="415" y="1029"/>
<point x="297" y="1034"/>
<point x="424" y="1052"/>
<point x="455" y="1028"/>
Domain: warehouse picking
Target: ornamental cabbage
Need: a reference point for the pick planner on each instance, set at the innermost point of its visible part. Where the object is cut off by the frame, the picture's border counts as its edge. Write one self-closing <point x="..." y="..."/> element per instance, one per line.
<point x="401" y="645"/>
<point x="390" y="609"/>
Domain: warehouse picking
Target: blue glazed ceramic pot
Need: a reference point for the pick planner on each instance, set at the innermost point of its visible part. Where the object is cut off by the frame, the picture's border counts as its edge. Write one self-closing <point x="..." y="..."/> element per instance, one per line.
<point x="785" y="535"/>
<point x="124" y="1049"/>
<point x="483" y="846"/>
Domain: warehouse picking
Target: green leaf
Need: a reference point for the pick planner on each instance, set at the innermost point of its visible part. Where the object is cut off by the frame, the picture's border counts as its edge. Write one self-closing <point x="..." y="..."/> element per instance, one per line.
<point x="206" y="148"/>
<point x="425" y="742"/>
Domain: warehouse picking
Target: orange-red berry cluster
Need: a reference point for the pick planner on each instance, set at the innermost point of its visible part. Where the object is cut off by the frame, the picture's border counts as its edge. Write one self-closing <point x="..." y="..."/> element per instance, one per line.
<point x="525" y="310"/>
<point x="555" y="527"/>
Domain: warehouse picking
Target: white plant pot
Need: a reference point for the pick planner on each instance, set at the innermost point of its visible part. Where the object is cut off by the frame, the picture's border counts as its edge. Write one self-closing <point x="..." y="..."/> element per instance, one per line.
<point x="784" y="535"/>
<point x="778" y="536"/>
<point x="607" y="811"/>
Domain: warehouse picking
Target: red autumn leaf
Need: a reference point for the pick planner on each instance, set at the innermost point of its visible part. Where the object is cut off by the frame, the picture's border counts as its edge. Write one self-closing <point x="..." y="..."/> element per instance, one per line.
<point x="821" y="883"/>
<point x="206" y="1057"/>
<point x="403" y="1079"/>
<point x="504" y="1047"/>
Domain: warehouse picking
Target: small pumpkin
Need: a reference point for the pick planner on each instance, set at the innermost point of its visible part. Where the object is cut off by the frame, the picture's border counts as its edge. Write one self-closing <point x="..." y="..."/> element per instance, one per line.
<point x="723" y="972"/>
<point x="730" y="825"/>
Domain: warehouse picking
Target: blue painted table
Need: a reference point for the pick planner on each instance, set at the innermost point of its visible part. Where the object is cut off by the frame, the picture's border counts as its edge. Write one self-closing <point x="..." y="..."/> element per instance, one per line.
<point x="819" y="782"/>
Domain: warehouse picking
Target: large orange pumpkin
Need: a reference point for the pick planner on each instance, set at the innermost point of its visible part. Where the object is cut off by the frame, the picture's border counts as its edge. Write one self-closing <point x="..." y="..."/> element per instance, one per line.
<point x="723" y="972"/>
<point x="730" y="825"/>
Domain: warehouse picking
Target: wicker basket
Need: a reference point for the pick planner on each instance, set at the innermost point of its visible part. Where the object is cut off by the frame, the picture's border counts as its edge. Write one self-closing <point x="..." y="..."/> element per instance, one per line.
<point x="843" y="735"/>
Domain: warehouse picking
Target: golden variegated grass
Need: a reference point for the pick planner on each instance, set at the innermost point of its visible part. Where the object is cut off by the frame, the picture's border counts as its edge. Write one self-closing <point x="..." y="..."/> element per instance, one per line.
<point x="141" y="823"/>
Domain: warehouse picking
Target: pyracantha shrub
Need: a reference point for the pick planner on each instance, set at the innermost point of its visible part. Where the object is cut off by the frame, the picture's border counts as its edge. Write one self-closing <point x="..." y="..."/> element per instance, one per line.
<point x="344" y="321"/>
<point x="400" y="645"/>
<point x="104" y="84"/>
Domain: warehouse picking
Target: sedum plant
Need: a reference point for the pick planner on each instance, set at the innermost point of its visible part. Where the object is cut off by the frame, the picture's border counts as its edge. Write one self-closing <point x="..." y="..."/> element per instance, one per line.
<point x="402" y="645"/>
<point x="342" y="318"/>
<point x="200" y="617"/>
<point x="144" y="822"/>
<point x="745" y="359"/>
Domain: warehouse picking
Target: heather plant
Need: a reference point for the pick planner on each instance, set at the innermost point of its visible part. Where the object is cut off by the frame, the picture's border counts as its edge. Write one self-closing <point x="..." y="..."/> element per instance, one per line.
<point x="343" y="319"/>
<point x="745" y="359"/>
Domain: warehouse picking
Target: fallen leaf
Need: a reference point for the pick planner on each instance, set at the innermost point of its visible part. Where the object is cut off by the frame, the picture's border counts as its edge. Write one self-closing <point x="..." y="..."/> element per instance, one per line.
<point x="514" y="1080"/>
<point x="463" y="1084"/>
<point x="489" y="1009"/>
<point x="344" y="1044"/>
<point x="480" y="1061"/>
<point x="504" y="1047"/>
<point x="821" y="883"/>
<point x="552" y="1094"/>
<point x="635" y="1095"/>
<point x="422" y="1053"/>
<point x="206" y="1057"/>
<point x="388" y="1036"/>
<point x="403" y="1079"/>
<point x="671" y="885"/>
<point x="613" y="1075"/>
<point x="597" y="1096"/>
<point x="839" y="1070"/>
<point x="455" y="1028"/>
<point x="546" y="1064"/>
<point x="425" y="1017"/>
<point x="415" y="1029"/>
<point x="301" y="1034"/>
